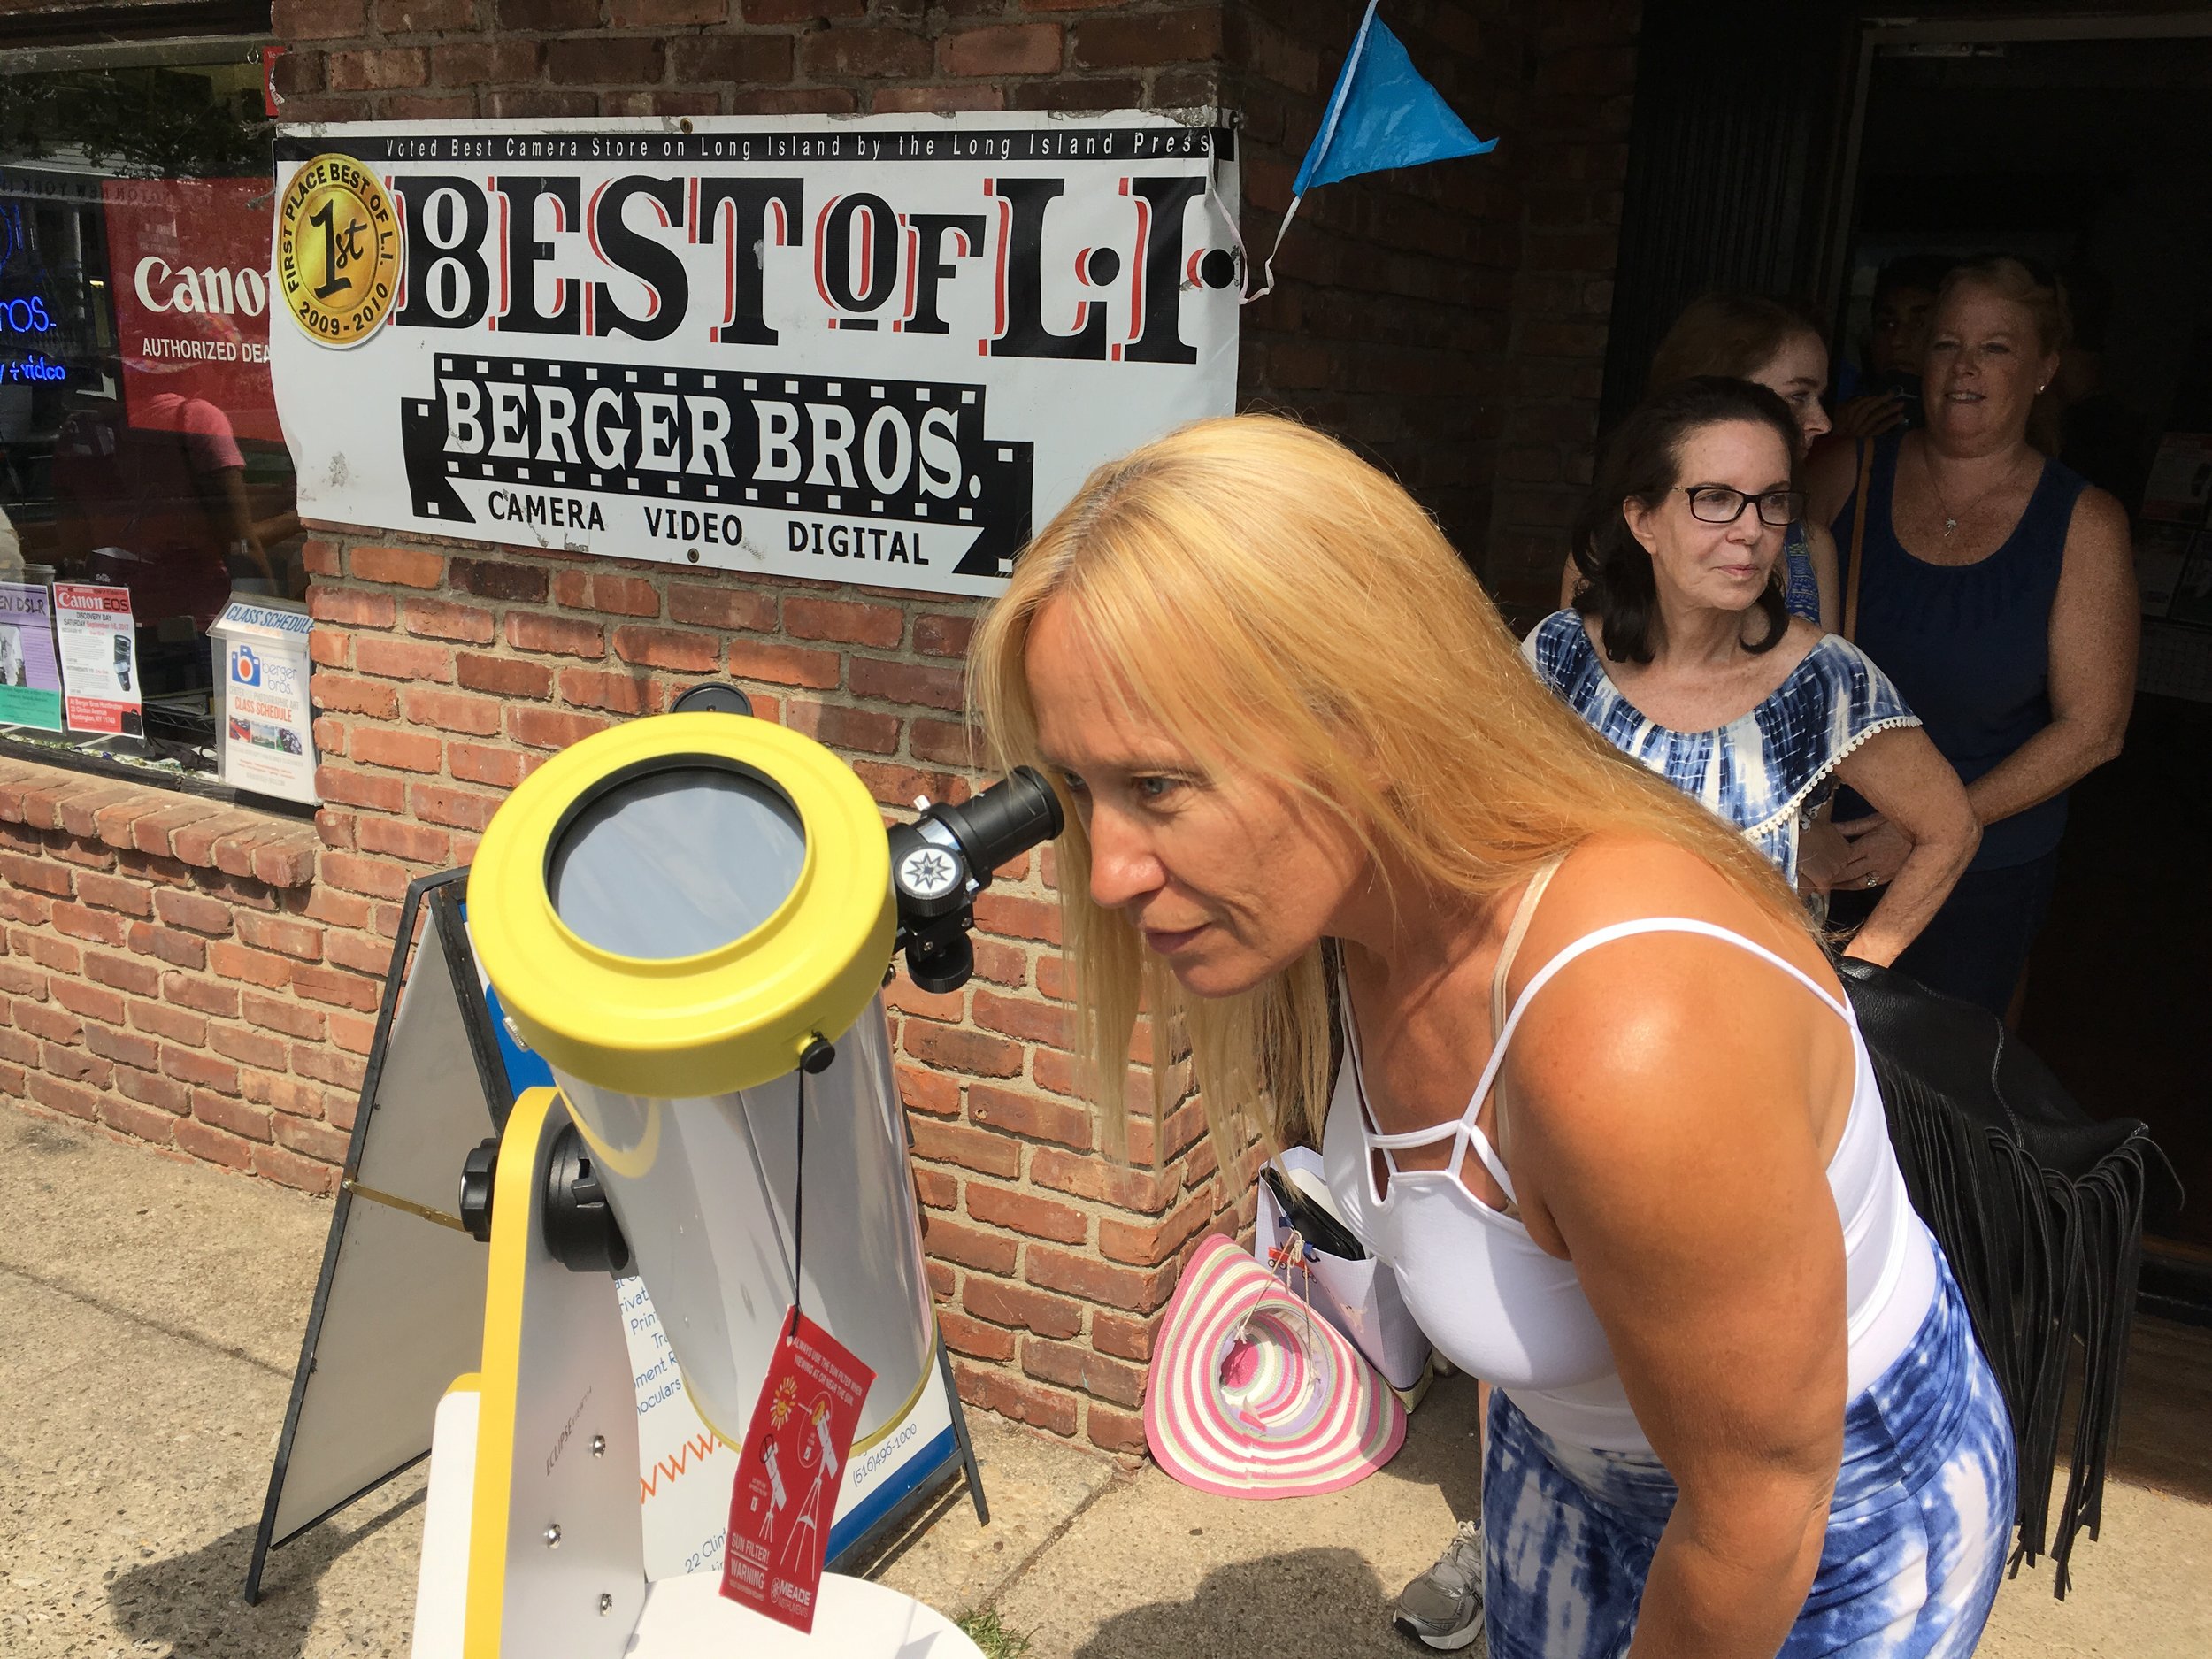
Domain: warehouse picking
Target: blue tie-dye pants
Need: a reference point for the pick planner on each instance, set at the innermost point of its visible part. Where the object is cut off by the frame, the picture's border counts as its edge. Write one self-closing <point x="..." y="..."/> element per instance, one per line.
<point x="1917" y="1534"/>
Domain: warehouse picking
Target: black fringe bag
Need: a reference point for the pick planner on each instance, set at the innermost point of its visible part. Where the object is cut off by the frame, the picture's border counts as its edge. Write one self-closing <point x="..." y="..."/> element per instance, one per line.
<point x="2038" y="1209"/>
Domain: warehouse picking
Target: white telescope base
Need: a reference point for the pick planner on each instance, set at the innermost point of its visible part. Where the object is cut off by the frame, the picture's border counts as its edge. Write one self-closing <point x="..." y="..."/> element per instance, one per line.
<point x="533" y="1541"/>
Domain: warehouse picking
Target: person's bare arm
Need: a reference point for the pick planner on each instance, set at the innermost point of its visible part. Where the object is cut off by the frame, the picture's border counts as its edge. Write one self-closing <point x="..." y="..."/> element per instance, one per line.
<point x="1671" y="1146"/>
<point x="2095" y="631"/>
<point x="1569" y="582"/>
<point x="1918" y="799"/>
<point x="1830" y="475"/>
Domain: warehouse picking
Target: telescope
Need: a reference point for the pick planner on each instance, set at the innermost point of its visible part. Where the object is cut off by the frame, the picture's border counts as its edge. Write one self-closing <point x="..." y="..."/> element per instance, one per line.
<point x="690" y="918"/>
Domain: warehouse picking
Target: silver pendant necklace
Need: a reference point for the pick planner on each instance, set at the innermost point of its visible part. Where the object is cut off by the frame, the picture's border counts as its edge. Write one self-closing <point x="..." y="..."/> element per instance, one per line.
<point x="1951" y="519"/>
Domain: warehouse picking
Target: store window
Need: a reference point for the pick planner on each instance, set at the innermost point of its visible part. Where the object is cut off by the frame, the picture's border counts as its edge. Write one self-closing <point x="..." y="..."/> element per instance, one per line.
<point x="139" y="444"/>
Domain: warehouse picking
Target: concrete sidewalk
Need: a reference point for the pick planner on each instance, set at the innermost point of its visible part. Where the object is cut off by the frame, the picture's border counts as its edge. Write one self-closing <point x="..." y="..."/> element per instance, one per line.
<point x="155" y="1311"/>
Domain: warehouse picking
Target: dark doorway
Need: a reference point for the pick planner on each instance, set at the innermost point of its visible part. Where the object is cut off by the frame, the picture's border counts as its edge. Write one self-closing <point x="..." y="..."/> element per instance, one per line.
<point x="2094" y="157"/>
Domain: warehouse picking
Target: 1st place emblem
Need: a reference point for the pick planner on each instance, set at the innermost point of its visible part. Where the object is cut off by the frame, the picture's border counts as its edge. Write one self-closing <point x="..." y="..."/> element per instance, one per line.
<point x="337" y="250"/>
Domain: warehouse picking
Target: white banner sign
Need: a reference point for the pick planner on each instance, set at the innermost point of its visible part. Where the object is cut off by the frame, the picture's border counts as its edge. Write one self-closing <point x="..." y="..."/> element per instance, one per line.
<point x="880" y="350"/>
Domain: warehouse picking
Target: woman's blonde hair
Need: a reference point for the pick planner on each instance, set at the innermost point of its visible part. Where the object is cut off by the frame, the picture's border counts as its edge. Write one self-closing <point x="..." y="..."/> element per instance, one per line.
<point x="1283" y="608"/>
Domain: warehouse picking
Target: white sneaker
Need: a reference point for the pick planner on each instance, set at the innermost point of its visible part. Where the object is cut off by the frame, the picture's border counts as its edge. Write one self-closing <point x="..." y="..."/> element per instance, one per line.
<point x="1443" y="1608"/>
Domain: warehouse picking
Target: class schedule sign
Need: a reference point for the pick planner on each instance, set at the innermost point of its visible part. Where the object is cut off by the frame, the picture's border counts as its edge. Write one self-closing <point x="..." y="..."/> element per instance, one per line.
<point x="878" y="350"/>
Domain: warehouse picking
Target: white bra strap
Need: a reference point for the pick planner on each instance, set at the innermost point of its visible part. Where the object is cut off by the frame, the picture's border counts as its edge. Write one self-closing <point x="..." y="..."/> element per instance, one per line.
<point x="1628" y="930"/>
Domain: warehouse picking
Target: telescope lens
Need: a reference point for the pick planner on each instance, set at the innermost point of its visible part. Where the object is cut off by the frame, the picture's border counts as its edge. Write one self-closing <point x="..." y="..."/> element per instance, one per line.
<point x="676" y="861"/>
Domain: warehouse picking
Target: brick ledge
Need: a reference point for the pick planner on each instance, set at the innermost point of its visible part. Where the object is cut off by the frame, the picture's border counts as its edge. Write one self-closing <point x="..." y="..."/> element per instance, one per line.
<point x="208" y="834"/>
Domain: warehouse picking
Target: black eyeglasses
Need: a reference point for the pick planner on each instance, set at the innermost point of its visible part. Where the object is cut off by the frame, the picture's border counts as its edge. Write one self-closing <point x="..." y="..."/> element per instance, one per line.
<point x="1716" y="503"/>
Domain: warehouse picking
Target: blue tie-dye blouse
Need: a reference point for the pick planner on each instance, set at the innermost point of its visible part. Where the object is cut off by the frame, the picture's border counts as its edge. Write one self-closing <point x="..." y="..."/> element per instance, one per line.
<point x="1762" y="771"/>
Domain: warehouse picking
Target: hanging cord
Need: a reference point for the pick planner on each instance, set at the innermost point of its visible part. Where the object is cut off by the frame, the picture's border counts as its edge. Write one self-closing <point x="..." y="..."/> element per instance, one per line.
<point x="798" y="1208"/>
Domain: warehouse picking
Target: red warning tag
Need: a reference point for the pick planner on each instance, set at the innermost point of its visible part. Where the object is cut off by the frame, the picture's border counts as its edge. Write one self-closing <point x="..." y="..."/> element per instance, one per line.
<point x="788" y="1471"/>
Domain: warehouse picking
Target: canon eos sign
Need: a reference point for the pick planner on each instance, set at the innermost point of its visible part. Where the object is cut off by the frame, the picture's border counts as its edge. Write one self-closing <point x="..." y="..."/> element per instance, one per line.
<point x="209" y="288"/>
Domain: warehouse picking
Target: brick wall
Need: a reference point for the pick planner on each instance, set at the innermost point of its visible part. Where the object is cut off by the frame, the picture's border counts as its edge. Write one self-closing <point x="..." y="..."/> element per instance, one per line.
<point x="173" y="973"/>
<point x="1450" y="319"/>
<point x="207" y="979"/>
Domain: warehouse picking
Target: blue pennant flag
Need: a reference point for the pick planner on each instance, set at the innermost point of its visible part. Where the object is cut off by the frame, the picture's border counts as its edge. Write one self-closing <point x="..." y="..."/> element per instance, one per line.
<point x="1382" y="114"/>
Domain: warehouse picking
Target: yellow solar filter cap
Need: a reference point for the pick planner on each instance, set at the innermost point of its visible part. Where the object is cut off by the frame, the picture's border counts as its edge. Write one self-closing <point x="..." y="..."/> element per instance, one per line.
<point x="673" y="908"/>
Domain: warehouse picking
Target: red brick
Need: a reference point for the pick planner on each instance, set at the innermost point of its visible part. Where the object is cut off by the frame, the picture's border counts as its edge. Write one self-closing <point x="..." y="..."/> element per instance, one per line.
<point x="1013" y="1397"/>
<point x="90" y="1001"/>
<point x="249" y="1048"/>
<point x="283" y="864"/>
<point x="350" y="608"/>
<point x="1027" y="1114"/>
<point x="1148" y="1246"/>
<point x="1120" y="1335"/>
<point x="936" y="100"/>
<point x="177" y="949"/>
<point x="121" y="972"/>
<point x="1146" y="41"/>
<point x="344" y="1069"/>
<point x="319" y="20"/>
<point x="216" y="1146"/>
<point x="102" y="928"/>
<point x="785" y="665"/>
<point x="418" y="843"/>
<point x="505" y="676"/>
<point x="974" y="1338"/>
<point x="1025" y="48"/>
<point x="254" y="967"/>
<point x="947" y="742"/>
<point x="722" y="607"/>
<point x="289" y="1169"/>
<point x="149" y="1089"/>
<point x="195" y="912"/>
<point x="969" y="1247"/>
<point x="958" y="1051"/>
<point x="406" y="567"/>
<point x="408" y="751"/>
<point x="408" y="16"/>
<point x="906" y="682"/>
<point x="279" y="1014"/>
<point x="371" y="957"/>
<point x="605" y="591"/>
<point x="557" y="636"/>
<point x="312" y="1139"/>
<point x="1131" y="1289"/>
<point x="618" y="693"/>
<point x="48" y="953"/>
<point x="903" y="995"/>
<point x="343" y="694"/>
<point x="474" y="763"/>
<point x="1018" y="918"/>
<point x="203" y="1072"/>
<point x="453" y="712"/>
<point x="46" y="1024"/>
<point x="939" y="1189"/>
<point x="503" y="578"/>
<point x="162" y="1021"/>
<point x="459" y="808"/>
<point x="980" y="1150"/>
<point x="938" y="634"/>
<point x="281" y="934"/>
<point x="931" y="1092"/>
<point x="1005" y="1303"/>
<point x="671" y="648"/>
<point x="551" y="728"/>
<point x="129" y="1118"/>
<point x="1017" y="1017"/>
<point x="843" y="621"/>
<point x="1111" y="1430"/>
<point x="1025" y="1212"/>
<point x="203" y="995"/>
<point x="37" y="874"/>
<point x="1074" y="1367"/>
<point x="339" y="909"/>
<point x="439" y="619"/>
<point x="18" y="980"/>
<point x="376" y="71"/>
<point x="598" y="60"/>
<point x="344" y="990"/>
<point x="113" y="893"/>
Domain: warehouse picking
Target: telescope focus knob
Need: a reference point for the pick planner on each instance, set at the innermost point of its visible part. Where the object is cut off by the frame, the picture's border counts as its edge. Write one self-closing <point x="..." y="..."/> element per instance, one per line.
<point x="477" y="1171"/>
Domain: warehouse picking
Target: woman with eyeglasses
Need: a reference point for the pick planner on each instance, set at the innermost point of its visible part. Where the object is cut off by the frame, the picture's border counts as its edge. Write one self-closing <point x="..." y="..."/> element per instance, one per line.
<point x="1998" y="589"/>
<point x="1748" y="337"/>
<point x="1680" y="652"/>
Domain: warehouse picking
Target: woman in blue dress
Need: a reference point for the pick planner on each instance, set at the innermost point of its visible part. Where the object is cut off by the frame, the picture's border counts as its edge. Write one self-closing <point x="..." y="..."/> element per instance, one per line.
<point x="1680" y="651"/>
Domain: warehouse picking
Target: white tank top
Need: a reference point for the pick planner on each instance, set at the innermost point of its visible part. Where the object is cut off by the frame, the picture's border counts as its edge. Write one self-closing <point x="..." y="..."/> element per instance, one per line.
<point x="1497" y="1305"/>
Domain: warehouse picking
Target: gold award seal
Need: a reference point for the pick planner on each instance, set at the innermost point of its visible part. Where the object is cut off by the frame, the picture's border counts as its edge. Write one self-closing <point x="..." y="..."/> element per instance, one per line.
<point x="337" y="250"/>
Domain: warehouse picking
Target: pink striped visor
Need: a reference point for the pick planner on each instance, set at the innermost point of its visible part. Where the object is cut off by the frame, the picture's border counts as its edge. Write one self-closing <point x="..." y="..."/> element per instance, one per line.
<point x="1253" y="1394"/>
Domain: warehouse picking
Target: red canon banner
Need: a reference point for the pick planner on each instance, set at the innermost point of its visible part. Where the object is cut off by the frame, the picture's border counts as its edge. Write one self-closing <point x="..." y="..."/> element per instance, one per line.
<point x="188" y="264"/>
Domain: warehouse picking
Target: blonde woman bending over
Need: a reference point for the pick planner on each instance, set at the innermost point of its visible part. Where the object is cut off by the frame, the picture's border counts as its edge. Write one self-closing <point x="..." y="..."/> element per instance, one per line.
<point x="1601" y="1105"/>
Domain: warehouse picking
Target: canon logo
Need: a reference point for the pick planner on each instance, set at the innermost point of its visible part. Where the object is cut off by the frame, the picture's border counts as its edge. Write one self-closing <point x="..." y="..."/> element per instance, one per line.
<point x="208" y="289"/>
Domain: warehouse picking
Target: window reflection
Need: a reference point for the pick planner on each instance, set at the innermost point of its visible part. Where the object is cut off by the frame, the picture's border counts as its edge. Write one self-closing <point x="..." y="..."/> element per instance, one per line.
<point x="139" y="443"/>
